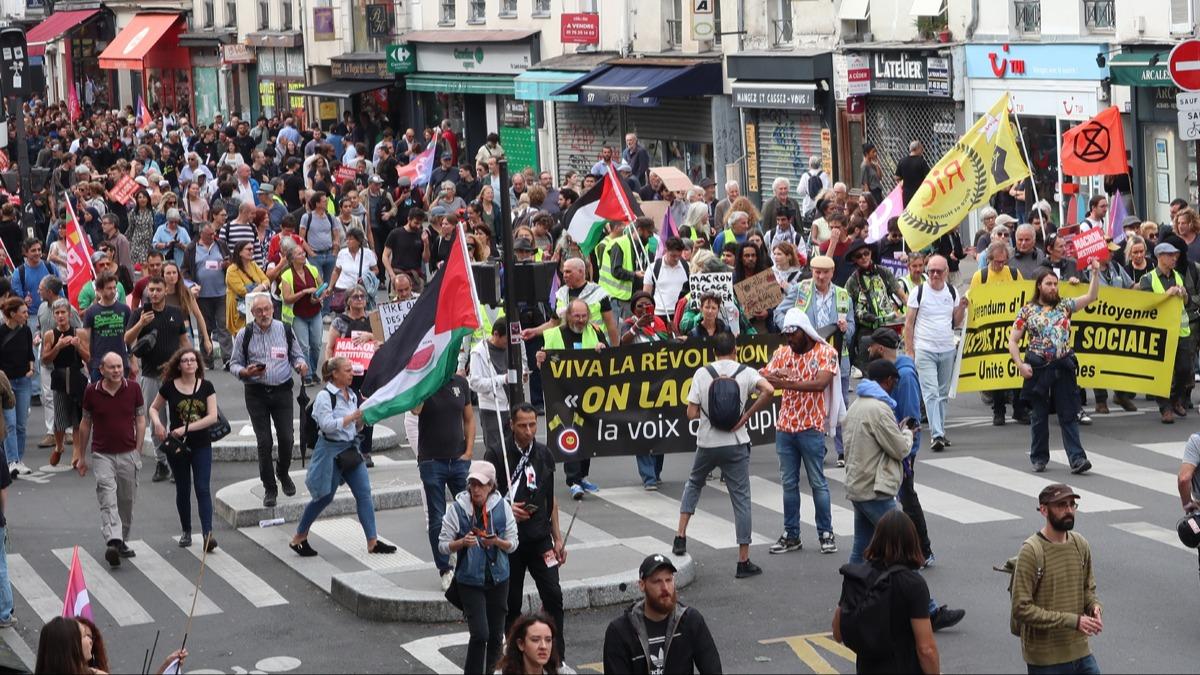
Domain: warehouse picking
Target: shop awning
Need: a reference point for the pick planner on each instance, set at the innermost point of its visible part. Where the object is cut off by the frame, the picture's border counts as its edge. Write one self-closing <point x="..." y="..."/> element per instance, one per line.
<point x="53" y="27"/>
<point x="642" y="86"/>
<point x="136" y="41"/>
<point x="341" y="88"/>
<point x="926" y="7"/>
<point x="539" y="85"/>
<point x="460" y="84"/>
<point x="854" y="10"/>
<point x="1140" y="69"/>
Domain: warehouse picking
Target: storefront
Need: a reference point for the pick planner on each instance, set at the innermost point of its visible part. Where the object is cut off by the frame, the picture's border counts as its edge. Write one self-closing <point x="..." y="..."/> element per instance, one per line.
<point x="1164" y="165"/>
<point x="159" y="68"/>
<point x="908" y="96"/>
<point x="279" y="56"/>
<point x="1052" y="88"/>
<point x="788" y="115"/>
<point x="666" y="102"/>
<point x="68" y="45"/>
<point x="361" y="85"/>
<point x="215" y="84"/>
<point x="467" y="77"/>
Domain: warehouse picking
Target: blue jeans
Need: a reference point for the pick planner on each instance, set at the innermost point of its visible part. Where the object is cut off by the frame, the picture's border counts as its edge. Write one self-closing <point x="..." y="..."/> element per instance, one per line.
<point x="325" y="263"/>
<point x="1085" y="666"/>
<point x="360" y="487"/>
<point x="14" y="443"/>
<point x="936" y="371"/>
<point x="194" y="470"/>
<point x="808" y="448"/>
<point x="436" y="476"/>
<point x="6" y="596"/>
<point x="866" y="514"/>
<point x="308" y="334"/>
<point x="650" y="468"/>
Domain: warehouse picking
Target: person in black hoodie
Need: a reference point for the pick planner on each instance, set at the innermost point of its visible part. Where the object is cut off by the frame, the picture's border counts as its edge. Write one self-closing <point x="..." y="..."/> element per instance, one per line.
<point x="657" y="634"/>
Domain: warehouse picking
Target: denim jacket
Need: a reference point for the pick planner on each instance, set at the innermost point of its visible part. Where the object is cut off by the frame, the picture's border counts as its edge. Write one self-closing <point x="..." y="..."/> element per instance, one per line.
<point x="458" y="522"/>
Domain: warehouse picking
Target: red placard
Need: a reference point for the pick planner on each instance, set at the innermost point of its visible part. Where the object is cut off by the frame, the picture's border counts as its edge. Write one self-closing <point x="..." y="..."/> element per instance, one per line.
<point x="1184" y="65"/>
<point x="124" y="190"/>
<point x="345" y="173"/>
<point x="581" y="29"/>
<point x="1089" y="246"/>
<point x="359" y="355"/>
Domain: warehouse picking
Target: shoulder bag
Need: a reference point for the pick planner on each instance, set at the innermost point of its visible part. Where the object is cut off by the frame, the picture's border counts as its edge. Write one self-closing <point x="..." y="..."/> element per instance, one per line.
<point x="174" y="447"/>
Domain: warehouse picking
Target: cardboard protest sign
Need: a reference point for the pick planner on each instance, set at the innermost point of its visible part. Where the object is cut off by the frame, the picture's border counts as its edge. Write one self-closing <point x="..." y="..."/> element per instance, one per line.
<point x="359" y="354"/>
<point x="719" y="283"/>
<point x="633" y="400"/>
<point x="1089" y="246"/>
<point x="388" y="317"/>
<point x="672" y="178"/>
<point x="759" y="293"/>
<point x="1125" y="341"/>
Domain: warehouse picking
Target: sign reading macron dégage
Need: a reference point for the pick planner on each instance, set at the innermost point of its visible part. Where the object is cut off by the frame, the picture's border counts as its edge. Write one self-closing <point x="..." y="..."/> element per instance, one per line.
<point x="490" y="58"/>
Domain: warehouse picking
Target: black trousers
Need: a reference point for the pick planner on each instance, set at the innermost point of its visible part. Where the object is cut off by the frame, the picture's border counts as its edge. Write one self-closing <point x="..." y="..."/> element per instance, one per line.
<point x="999" y="398"/>
<point x="266" y="404"/>
<point x="1182" y="378"/>
<point x="912" y="507"/>
<point x="576" y="471"/>
<point x="528" y="557"/>
<point x="484" y="608"/>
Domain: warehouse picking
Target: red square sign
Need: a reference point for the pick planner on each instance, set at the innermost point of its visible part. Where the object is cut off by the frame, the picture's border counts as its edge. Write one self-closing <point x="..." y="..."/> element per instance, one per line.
<point x="581" y="29"/>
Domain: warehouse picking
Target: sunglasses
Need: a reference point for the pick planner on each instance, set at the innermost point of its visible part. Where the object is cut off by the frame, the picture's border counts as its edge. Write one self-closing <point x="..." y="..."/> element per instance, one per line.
<point x="862" y="254"/>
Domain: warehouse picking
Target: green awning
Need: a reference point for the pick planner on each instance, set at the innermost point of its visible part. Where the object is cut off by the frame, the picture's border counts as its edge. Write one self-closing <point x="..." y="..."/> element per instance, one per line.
<point x="460" y="84"/>
<point x="1133" y="69"/>
<point x="539" y="85"/>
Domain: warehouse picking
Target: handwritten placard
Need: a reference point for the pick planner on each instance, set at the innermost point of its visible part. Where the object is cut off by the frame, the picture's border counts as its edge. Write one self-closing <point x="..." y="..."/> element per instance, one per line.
<point x="388" y="317"/>
<point x="759" y="293"/>
<point x="718" y="283"/>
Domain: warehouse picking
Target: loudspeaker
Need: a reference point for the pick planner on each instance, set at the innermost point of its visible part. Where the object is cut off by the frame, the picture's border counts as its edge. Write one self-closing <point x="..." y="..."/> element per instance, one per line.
<point x="487" y="282"/>
<point x="533" y="281"/>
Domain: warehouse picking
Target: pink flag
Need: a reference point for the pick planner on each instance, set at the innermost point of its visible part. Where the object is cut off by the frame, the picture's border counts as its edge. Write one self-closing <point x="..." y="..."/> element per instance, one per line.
<point x="73" y="107"/>
<point x="1116" y="218"/>
<point x="76" y="602"/>
<point x="891" y="207"/>
<point x="420" y="168"/>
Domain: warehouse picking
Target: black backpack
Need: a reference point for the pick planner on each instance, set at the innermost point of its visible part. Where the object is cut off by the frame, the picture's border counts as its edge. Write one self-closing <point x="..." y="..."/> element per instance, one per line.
<point x="310" y="431"/>
<point x="815" y="185"/>
<point x="725" y="402"/>
<point x="288" y="334"/>
<point x="867" y="609"/>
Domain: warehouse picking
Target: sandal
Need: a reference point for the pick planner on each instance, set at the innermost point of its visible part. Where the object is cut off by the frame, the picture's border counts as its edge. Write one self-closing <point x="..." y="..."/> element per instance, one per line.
<point x="381" y="547"/>
<point x="303" y="549"/>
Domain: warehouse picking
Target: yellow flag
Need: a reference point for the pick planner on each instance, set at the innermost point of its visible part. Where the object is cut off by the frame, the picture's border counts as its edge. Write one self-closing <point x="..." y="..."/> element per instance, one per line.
<point x="986" y="159"/>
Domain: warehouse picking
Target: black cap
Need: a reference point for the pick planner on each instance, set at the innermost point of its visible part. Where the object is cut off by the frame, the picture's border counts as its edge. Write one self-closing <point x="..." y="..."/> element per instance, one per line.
<point x="881" y="369"/>
<point x="886" y="337"/>
<point x="653" y="563"/>
<point x="523" y="244"/>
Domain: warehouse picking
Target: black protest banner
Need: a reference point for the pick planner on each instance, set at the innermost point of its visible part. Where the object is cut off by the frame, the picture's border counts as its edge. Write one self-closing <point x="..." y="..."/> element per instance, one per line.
<point x="632" y="400"/>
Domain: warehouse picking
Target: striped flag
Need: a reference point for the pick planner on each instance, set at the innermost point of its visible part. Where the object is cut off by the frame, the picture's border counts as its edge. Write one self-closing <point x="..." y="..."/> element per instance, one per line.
<point x="76" y="601"/>
<point x="608" y="200"/>
<point x="420" y="168"/>
<point x="79" y="268"/>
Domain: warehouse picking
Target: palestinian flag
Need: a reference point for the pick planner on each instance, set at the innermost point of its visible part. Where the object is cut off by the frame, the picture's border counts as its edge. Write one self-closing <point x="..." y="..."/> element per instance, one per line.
<point x="608" y="200"/>
<point x="422" y="355"/>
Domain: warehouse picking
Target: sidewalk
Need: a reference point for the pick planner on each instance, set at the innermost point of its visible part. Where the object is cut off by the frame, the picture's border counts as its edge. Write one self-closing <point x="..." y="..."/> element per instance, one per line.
<point x="600" y="569"/>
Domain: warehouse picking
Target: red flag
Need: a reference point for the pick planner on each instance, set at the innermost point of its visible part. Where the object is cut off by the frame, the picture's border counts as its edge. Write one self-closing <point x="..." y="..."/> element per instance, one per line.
<point x="615" y="203"/>
<point x="144" y="114"/>
<point x="76" y="602"/>
<point x="79" y="257"/>
<point x="1096" y="147"/>
<point x="73" y="107"/>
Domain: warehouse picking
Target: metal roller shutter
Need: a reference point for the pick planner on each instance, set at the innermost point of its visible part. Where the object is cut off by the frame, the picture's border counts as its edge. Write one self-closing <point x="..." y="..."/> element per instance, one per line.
<point x="581" y="131"/>
<point x="674" y="119"/>
<point x="785" y="142"/>
<point x="893" y="123"/>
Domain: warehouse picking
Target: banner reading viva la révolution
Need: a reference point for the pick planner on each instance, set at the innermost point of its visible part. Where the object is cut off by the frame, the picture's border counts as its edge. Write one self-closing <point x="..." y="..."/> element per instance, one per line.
<point x="632" y="400"/>
<point x="1124" y="341"/>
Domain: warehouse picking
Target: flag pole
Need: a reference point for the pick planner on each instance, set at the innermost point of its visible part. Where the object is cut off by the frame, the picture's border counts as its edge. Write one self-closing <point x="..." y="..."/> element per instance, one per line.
<point x="196" y="594"/>
<point x="1028" y="164"/>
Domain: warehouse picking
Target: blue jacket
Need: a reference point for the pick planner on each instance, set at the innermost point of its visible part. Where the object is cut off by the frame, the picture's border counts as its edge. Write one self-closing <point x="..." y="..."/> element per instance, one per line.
<point x="457" y="523"/>
<point x="908" y="395"/>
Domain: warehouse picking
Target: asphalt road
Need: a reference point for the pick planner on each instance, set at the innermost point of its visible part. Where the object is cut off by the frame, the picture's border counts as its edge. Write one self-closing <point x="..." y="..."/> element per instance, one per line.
<point x="978" y="496"/>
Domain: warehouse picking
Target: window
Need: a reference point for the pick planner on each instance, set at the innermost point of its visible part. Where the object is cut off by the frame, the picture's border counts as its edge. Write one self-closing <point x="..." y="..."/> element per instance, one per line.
<point x="210" y="13"/>
<point x="231" y="13"/>
<point x="508" y="8"/>
<point x="447" y="13"/>
<point x="541" y="7"/>
<point x="264" y="14"/>
<point x="478" y="11"/>
<point x="1028" y="15"/>
<point x="285" y="15"/>
<point x="717" y="22"/>
<point x="781" y="22"/>
<point x="674" y="14"/>
<point x="1099" y="15"/>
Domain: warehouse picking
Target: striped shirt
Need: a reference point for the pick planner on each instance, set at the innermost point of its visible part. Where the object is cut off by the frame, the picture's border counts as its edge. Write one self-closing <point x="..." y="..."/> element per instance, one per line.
<point x="233" y="233"/>
<point x="269" y="348"/>
<point x="1048" y="610"/>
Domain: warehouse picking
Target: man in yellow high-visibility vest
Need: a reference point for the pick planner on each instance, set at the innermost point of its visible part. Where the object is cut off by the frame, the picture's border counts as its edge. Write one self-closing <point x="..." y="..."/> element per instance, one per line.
<point x="618" y="270"/>
<point x="1166" y="279"/>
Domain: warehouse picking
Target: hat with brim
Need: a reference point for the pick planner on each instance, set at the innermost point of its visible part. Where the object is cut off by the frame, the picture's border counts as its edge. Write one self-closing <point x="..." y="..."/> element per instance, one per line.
<point x="482" y="472"/>
<point x="858" y="246"/>
<point x="1056" y="492"/>
<point x="822" y="262"/>
<point x="654" y="563"/>
<point x="1005" y="219"/>
<point x="1165" y="249"/>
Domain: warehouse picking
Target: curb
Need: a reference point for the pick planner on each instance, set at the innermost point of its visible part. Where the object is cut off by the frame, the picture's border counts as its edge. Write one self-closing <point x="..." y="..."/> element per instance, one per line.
<point x="239" y="447"/>
<point x="374" y="597"/>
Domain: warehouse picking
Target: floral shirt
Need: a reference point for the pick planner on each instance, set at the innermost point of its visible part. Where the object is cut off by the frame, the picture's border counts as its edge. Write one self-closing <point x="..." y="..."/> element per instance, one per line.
<point x="1048" y="328"/>
<point x="803" y="410"/>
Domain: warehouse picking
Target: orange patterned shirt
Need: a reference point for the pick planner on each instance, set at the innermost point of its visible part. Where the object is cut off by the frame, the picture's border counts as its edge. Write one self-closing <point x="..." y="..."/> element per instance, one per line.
<point x="803" y="410"/>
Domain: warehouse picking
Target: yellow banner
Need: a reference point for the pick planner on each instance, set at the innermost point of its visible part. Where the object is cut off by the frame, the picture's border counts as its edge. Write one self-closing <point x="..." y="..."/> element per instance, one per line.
<point x="1125" y="341"/>
<point x="984" y="160"/>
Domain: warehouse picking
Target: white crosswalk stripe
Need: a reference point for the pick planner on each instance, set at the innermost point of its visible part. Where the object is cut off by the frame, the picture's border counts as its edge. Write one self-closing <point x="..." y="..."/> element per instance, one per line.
<point x="44" y="601"/>
<point x="769" y="495"/>
<point x="1173" y="449"/>
<point x="1021" y="482"/>
<point x="1134" y="474"/>
<point x="703" y="527"/>
<point x="943" y="504"/>
<point x="234" y="573"/>
<point x="105" y="590"/>
<point x="1154" y="532"/>
<point x="170" y="581"/>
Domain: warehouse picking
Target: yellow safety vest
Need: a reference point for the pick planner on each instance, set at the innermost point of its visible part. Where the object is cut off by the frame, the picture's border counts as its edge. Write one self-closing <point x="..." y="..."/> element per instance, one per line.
<point x="487" y="317"/>
<point x="1185" y="328"/>
<point x="841" y="303"/>
<point x="554" y="339"/>
<point x="592" y="294"/>
<point x="289" y="312"/>
<point x="617" y="289"/>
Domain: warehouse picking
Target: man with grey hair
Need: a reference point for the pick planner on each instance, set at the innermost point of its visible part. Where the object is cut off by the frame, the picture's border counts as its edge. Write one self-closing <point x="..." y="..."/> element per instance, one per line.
<point x="778" y="200"/>
<point x="934" y="311"/>
<point x="732" y="192"/>
<point x="912" y="170"/>
<point x="736" y="233"/>
<point x="637" y="157"/>
<point x="811" y="184"/>
<point x="1027" y="258"/>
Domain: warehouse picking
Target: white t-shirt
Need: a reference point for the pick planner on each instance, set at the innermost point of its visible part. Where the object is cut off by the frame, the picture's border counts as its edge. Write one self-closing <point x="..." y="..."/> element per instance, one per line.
<point x="706" y="435"/>
<point x="935" y="332"/>
<point x="349" y="266"/>
<point x="666" y="285"/>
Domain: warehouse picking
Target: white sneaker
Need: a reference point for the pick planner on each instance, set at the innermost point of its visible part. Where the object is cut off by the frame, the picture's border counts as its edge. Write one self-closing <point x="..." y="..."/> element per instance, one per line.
<point x="20" y="466"/>
<point x="446" y="579"/>
<point x="855" y="373"/>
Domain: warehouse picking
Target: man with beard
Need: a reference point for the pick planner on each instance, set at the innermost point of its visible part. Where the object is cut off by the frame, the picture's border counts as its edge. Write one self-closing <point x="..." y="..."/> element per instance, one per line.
<point x="657" y="634"/>
<point x="1049" y="365"/>
<point x="877" y="296"/>
<point x="1054" y="603"/>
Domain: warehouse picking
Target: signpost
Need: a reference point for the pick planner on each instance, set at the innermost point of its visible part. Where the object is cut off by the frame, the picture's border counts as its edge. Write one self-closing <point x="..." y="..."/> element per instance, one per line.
<point x="14" y="84"/>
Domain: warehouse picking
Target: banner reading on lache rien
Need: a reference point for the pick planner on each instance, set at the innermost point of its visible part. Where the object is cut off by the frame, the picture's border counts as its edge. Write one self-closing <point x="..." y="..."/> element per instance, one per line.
<point x="1125" y="340"/>
<point x="633" y="400"/>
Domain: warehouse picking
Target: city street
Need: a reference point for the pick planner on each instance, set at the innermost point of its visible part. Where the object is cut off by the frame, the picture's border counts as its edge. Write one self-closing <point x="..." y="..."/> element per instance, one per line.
<point x="259" y="613"/>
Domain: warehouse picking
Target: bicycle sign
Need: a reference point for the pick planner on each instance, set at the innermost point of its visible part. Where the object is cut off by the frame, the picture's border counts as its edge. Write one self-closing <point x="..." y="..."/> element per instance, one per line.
<point x="1188" y="104"/>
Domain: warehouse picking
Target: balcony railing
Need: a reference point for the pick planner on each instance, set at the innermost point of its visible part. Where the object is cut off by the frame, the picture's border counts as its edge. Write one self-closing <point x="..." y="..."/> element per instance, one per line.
<point x="781" y="32"/>
<point x="1028" y="16"/>
<point x="1100" y="15"/>
<point x="477" y="11"/>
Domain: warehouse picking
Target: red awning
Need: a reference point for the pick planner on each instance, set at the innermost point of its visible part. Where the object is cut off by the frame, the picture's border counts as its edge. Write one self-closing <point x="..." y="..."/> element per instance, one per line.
<point x="53" y="27"/>
<point x="129" y="49"/>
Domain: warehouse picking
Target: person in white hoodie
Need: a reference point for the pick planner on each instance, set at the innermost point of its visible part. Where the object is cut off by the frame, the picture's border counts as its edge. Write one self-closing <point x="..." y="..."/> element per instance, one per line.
<point x="487" y="373"/>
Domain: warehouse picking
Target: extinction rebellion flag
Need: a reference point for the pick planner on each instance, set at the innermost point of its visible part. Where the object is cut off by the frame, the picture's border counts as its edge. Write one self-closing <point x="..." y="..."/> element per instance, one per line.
<point x="422" y="355"/>
<point x="608" y="199"/>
